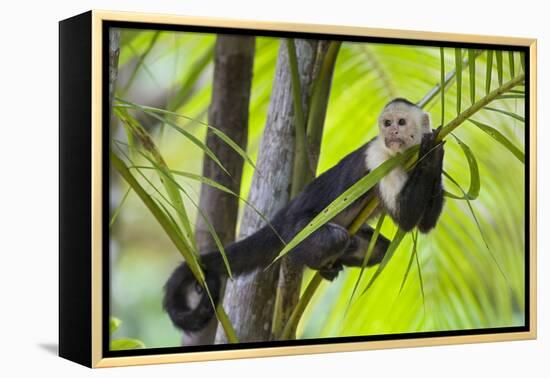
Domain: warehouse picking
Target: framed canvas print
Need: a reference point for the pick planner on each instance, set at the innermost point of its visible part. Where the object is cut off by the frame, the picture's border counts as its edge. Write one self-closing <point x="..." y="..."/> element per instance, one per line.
<point x="237" y="188"/>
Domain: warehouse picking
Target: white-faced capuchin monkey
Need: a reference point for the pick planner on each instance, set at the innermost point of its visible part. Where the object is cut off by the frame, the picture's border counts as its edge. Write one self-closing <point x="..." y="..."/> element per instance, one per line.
<point x="412" y="199"/>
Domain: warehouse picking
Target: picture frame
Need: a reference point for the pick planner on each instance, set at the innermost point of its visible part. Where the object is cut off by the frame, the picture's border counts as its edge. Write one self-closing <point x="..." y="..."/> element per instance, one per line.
<point x="86" y="270"/>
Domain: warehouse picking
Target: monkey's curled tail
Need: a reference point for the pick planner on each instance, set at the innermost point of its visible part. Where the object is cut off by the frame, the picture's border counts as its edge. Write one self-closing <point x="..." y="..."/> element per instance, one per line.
<point x="186" y="301"/>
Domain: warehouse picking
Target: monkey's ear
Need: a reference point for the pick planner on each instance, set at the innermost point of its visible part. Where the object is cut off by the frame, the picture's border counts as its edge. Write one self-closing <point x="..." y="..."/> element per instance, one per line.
<point x="426" y="122"/>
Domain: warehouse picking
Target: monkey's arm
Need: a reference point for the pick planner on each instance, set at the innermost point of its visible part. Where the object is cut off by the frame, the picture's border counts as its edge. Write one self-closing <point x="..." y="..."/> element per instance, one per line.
<point x="356" y="251"/>
<point x="331" y="247"/>
<point x="321" y="250"/>
<point x="421" y="199"/>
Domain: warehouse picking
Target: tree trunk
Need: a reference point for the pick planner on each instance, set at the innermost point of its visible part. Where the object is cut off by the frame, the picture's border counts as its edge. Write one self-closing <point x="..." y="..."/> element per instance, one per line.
<point x="114" y="50"/>
<point x="290" y="276"/>
<point x="250" y="300"/>
<point x="228" y="111"/>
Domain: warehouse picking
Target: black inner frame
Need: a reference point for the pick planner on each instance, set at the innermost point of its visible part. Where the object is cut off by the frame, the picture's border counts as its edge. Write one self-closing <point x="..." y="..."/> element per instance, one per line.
<point x="332" y="340"/>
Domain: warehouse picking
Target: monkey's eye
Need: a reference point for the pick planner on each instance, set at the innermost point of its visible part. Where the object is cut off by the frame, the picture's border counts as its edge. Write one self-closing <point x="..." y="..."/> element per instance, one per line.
<point x="401" y="121"/>
<point x="387" y="123"/>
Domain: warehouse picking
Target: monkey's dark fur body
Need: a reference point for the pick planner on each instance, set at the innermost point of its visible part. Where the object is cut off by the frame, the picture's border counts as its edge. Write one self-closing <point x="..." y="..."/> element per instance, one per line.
<point x="418" y="203"/>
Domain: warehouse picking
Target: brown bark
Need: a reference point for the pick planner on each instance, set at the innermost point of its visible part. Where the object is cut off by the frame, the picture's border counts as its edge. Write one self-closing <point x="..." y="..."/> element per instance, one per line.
<point x="290" y="276"/>
<point x="250" y="300"/>
<point x="228" y="112"/>
<point x="114" y="50"/>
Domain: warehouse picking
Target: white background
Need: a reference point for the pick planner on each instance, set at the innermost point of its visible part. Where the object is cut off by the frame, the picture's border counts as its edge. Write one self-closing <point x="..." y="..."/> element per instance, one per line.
<point x="29" y="188"/>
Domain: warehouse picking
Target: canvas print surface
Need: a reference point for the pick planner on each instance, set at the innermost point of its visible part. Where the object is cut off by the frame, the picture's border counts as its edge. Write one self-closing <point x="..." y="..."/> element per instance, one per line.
<point x="273" y="188"/>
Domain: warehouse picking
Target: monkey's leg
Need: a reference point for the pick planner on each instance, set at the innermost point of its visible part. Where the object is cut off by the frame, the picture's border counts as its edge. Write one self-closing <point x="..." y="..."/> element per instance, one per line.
<point x="321" y="250"/>
<point x="432" y="213"/>
<point x="435" y="203"/>
<point x="358" y="247"/>
<point x="417" y="192"/>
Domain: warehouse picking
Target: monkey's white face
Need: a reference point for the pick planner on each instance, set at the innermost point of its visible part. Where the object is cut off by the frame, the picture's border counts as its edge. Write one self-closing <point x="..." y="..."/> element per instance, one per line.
<point x="401" y="126"/>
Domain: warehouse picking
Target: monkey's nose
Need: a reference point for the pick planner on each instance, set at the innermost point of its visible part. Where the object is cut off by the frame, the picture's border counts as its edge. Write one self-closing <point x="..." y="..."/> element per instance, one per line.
<point x="396" y="132"/>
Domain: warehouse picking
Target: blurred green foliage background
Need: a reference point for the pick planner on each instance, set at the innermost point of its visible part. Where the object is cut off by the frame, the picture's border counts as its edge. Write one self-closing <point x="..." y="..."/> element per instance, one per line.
<point x="465" y="283"/>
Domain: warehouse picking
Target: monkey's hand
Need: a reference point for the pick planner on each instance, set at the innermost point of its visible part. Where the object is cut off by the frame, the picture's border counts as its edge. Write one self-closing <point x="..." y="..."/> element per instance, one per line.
<point x="354" y="254"/>
<point x="330" y="271"/>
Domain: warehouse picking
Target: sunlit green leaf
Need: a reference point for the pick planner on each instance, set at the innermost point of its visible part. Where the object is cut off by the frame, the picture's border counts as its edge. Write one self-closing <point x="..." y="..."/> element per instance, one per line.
<point x="220" y="134"/>
<point x="489" y="72"/>
<point x="458" y="70"/>
<point x="399" y="235"/>
<point x="125" y="344"/>
<point x="500" y="70"/>
<point x="175" y="236"/>
<point x="475" y="179"/>
<point x="214" y="184"/>
<point x="153" y="154"/>
<point x="419" y="269"/>
<point x="166" y="175"/>
<point x="160" y="216"/>
<point x="481" y="233"/>
<point x="499" y="137"/>
<point x="509" y="114"/>
<point x="368" y="254"/>
<point x="114" y="323"/>
<point x="442" y="81"/>
<point x="409" y="265"/>
<point x="119" y="207"/>
<point x="472" y="65"/>
<point x="193" y="139"/>
<point x="515" y="96"/>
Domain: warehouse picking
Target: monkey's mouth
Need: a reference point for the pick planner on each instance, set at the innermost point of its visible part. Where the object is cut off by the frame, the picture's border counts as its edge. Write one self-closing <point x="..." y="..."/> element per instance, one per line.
<point x="394" y="142"/>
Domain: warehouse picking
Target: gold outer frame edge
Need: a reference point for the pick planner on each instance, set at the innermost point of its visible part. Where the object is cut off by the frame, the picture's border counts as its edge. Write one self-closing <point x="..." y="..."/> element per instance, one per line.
<point x="97" y="176"/>
<point x="98" y="16"/>
<point x="307" y="349"/>
<point x="533" y="187"/>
